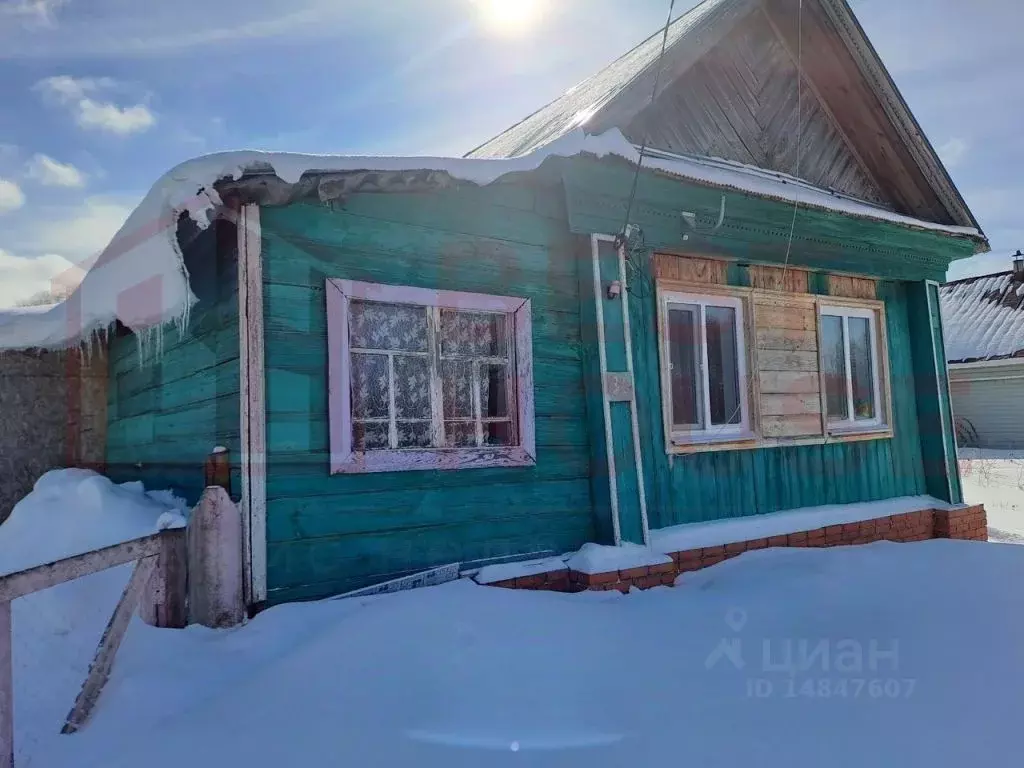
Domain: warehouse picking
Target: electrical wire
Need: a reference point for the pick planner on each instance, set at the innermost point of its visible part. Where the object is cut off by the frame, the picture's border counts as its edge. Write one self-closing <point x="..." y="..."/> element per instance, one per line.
<point x="654" y="94"/>
<point x="799" y="129"/>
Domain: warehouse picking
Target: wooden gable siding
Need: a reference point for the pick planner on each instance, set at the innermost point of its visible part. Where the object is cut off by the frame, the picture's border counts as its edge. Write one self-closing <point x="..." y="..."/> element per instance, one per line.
<point x="739" y="102"/>
<point x="167" y="411"/>
<point x="737" y="483"/>
<point x="328" y="534"/>
<point x="836" y="76"/>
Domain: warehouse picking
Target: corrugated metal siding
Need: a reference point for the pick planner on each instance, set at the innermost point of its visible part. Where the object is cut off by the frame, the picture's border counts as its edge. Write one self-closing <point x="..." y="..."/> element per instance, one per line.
<point x="992" y="400"/>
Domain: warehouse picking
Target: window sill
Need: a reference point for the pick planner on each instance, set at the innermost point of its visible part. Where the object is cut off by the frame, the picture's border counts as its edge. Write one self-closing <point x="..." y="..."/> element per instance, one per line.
<point x="426" y="460"/>
<point x="732" y="441"/>
<point x="859" y="433"/>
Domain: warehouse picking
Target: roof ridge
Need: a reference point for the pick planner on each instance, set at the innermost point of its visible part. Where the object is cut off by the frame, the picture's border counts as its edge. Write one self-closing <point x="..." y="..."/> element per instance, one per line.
<point x="974" y="278"/>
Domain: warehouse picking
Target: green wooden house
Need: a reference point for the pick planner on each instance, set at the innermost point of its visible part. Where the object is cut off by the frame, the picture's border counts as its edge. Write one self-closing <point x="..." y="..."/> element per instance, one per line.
<point x="416" y="362"/>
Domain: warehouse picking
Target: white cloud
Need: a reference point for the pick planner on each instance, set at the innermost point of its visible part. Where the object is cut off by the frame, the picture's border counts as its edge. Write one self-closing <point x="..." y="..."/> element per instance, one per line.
<point x="82" y="96"/>
<point x="11" y="196"/>
<point x="31" y="11"/>
<point x="953" y="151"/>
<point x="23" y="278"/>
<point x="76" y="232"/>
<point x="53" y="173"/>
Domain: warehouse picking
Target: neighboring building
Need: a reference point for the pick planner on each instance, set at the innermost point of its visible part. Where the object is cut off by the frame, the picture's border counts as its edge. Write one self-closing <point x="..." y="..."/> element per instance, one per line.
<point x="984" y="328"/>
<point x="421" y="361"/>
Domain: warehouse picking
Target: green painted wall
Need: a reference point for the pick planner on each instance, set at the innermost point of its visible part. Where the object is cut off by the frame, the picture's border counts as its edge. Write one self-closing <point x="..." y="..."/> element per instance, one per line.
<point x="168" y="411"/>
<point x="328" y="534"/>
<point x="708" y="486"/>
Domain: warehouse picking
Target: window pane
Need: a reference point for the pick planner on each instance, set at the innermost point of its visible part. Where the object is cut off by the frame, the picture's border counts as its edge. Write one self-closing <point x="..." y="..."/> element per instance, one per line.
<point x="457" y="389"/>
<point x="459" y="434"/>
<point x="473" y="334"/>
<point x="861" y="371"/>
<point x="833" y="355"/>
<point x="412" y="387"/>
<point x="373" y="325"/>
<point x="493" y="391"/>
<point x="499" y="433"/>
<point x="370" y="387"/>
<point x="723" y="365"/>
<point x="684" y="352"/>
<point x="413" y="434"/>
<point x="370" y="437"/>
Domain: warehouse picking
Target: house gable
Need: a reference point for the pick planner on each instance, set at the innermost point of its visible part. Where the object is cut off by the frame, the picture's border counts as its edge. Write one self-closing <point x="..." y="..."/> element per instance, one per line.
<point x="729" y="88"/>
<point x="740" y="102"/>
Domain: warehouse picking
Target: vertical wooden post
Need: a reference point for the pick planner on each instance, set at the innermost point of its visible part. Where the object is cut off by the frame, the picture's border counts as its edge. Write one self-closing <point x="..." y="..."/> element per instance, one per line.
<point x="164" y="602"/>
<point x="6" y="686"/>
<point x="215" y="592"/>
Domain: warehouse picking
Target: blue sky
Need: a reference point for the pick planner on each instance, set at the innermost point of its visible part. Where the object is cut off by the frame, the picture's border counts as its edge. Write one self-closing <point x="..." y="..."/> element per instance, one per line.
<point x="98" y="98"/>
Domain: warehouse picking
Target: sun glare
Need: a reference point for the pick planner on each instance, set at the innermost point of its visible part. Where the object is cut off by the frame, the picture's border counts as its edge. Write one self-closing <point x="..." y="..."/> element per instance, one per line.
<point x="510" y="17"/>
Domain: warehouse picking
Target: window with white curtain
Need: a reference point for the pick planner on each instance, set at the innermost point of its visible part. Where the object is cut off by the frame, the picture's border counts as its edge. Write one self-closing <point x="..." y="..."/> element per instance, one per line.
<point x="424" y="379"/>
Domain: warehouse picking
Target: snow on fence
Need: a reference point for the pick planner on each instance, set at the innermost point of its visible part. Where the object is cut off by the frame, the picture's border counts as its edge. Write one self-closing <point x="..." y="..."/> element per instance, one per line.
<point x="158" y="582"/>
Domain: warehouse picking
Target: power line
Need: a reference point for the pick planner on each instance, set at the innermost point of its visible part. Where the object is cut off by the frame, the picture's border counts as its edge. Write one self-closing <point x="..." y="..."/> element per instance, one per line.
<point x="654" y="94"/>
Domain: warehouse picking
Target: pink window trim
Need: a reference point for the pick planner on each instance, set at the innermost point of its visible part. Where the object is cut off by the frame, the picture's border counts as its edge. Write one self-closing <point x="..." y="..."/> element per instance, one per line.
<point x="346" y="461"/>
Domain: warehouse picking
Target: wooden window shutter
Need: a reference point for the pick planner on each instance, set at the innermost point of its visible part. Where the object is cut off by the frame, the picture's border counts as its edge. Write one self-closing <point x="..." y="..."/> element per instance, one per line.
<point x="788" y="383"/>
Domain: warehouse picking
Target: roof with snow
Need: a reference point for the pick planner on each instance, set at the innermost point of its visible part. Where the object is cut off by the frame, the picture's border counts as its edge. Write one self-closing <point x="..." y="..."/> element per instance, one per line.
<point x="983" y="317"/>
<point x="141" y="281"/>
<point x="727" y="88"/>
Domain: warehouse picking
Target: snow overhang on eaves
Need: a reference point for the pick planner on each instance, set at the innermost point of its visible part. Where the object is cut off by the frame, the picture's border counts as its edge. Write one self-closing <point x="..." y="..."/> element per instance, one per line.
<point x="140" y="278"/>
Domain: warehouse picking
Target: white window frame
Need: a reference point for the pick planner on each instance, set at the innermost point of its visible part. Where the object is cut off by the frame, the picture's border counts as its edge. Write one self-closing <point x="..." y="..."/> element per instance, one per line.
<point x="346" y="460"/>
<point x="852" y="424"/>
<point x="710" y="433"/>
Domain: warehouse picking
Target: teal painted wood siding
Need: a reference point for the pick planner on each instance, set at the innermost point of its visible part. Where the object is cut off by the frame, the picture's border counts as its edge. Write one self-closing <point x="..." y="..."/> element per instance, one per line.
<point x="714" y="485"/>
<point x="709" y="486"/>
<point x="167" y="411"/>
<point x="328" y="534"/>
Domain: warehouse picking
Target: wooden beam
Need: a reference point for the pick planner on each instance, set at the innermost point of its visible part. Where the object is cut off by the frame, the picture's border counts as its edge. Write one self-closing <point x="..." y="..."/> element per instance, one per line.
<point x="164" y="603"/>
<point x="6" y="686"/>
<point x="49" y="575"/>
<point x="253" y="404"/>
<point x="99" y="670"/>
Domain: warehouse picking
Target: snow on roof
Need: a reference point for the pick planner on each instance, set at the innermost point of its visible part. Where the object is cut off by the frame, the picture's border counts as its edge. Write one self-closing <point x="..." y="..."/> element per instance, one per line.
<point x="140" y="277"/>
<point x="577" y="105"/>
<point x="983" y="317"/>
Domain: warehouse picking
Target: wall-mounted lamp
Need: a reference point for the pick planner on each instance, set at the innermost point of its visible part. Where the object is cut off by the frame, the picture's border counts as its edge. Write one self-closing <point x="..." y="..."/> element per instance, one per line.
<point x="614" y="289"/>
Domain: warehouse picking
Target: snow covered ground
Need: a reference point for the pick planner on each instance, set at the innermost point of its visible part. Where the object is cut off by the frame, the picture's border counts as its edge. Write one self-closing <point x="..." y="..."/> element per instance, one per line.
<point x="996" y="479"/>
<point x="886" y="654"/>
<point x="68" y="512"/>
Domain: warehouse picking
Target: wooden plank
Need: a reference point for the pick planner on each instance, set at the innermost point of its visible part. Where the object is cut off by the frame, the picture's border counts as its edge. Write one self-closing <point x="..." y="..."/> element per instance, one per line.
<point x="689" y="269"/>
<point x="791" y="318"/>
<point x="99" y="670"/>
<point x="6" y="686"/>
<point x="791" y="280"/>
<point x="252" y="404"/>
<point x="791" y="426"/>
<point x="852" y="287"/>
<point x="787" y="340"/>
<point x="788" y="383"/>
<point x="774" y="360"/>
<point x="790" y="405"/>
<point x="45" y="576"/>
<point x="164" y="603"/>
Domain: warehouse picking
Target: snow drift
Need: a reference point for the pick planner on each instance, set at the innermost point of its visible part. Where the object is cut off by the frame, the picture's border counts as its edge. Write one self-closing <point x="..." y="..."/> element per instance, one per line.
<point x="870" y="652"/>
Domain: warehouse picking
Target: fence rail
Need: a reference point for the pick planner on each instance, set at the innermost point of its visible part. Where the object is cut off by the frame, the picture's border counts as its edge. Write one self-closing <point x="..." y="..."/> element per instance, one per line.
<point x="156" y="587"/>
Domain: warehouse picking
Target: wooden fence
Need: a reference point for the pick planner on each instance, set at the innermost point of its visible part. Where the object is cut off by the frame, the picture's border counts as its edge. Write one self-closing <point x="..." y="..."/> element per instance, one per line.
<point x="157" y="587"/>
